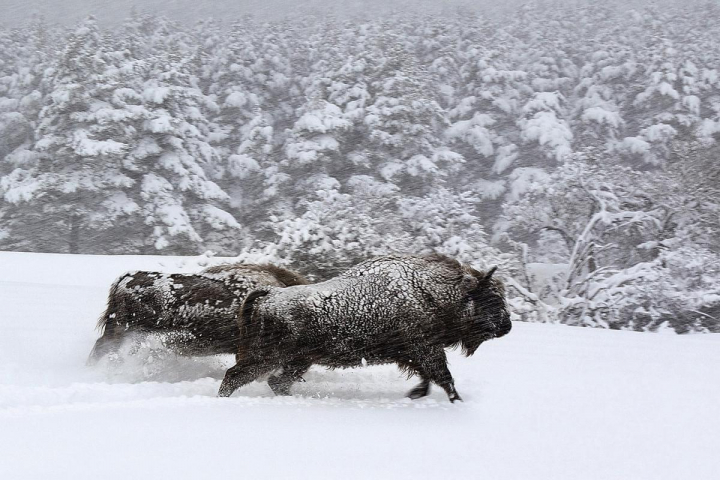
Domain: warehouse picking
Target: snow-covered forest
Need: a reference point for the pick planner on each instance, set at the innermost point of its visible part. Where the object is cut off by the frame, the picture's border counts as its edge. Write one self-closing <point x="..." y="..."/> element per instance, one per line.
<point x="576" y="147"/>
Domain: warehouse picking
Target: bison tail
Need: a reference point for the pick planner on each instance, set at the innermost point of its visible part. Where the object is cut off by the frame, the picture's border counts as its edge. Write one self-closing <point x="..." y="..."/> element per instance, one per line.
<point x="113" y="304"/>
<point x="102" y="322"/>
<point x="248" y="305"/>
<point x="107" y="322"/>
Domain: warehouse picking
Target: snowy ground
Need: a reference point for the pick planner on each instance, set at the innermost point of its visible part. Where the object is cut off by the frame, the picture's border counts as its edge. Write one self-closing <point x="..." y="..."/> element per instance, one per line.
<point x="545" y="402"/>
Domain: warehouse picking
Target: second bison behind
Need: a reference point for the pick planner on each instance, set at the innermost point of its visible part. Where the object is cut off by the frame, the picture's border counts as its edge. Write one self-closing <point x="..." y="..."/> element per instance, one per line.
<point x="393" y="309"/>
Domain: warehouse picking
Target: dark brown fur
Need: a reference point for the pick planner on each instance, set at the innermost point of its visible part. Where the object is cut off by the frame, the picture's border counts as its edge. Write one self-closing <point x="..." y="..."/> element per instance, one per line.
<point x="195" y="314"/>
<point x="395" y="309"/>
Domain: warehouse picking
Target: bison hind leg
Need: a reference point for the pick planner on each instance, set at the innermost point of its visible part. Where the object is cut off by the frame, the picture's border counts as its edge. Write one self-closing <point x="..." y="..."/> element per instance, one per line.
<point x="244" y="372"/>
<point x="291" y="373"/>
<point x="104" y="345"/>
<point x="422" y="389"/>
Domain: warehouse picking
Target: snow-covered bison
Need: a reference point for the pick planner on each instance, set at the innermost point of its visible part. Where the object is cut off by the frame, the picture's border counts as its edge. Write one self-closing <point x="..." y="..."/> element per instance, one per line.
<point x="195" y="314"/>
<point x="393" y="309"/>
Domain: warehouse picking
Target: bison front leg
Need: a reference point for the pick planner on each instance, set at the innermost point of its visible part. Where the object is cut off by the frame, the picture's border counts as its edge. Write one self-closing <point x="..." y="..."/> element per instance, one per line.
<point x="291" y="373"/>
<point x="431" y="364"/>
<point x="241" y="374"/>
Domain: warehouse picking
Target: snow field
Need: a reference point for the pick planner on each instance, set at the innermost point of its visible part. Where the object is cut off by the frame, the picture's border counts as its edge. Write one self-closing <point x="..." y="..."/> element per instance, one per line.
<point x="545" y="402"/>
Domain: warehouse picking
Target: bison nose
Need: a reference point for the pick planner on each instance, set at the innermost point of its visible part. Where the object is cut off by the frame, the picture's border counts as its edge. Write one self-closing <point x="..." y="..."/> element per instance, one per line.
<point x="504" y="328"/>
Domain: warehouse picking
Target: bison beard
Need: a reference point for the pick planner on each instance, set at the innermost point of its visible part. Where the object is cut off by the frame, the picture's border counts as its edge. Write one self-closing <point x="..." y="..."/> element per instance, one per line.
<point x="393" y="309"/>
<point x="195" y="313"/>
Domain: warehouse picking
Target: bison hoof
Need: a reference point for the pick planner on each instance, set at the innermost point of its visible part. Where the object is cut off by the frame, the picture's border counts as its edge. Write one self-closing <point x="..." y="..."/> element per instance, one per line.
<point x="224" y="393"/>
<point x="225" y="390"/>
<point x="279" y="387"/>
<point x="455" y="397"/>
<point x="419" y="392"/>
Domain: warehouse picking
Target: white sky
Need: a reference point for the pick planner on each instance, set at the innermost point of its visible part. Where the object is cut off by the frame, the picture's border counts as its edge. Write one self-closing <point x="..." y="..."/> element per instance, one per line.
<point x="13" y="12"/>
<point x="70" y="11"/>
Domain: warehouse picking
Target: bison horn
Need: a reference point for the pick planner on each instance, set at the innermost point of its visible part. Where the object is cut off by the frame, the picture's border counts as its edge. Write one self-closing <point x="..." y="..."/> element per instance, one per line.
<point x="489" y="274"/>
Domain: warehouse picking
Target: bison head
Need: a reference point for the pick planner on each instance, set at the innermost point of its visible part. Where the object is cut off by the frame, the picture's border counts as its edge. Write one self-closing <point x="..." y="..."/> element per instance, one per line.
<point x="487" y="315"/>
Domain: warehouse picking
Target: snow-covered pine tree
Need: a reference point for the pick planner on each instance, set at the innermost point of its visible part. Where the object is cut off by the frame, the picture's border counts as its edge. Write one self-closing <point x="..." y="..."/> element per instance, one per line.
<point x="253" y="177"/>
<point x="24" y="70"/>
<point x="179" y="204"/>
<point x="337" y="230"/>
<point x="405" y="123"/>
<point x="312" y="150"/>
<point x="66" y="187"/>
<point x="230" y="77"/>
<point x="447" y="221"/>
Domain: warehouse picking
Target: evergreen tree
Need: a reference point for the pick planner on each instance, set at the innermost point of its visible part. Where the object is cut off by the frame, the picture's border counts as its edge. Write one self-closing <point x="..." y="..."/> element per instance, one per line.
<point x="77" y="166"/>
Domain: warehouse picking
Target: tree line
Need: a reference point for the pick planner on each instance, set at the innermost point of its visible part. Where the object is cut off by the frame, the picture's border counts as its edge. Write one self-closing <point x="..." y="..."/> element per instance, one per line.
<point x="575" y="147"/>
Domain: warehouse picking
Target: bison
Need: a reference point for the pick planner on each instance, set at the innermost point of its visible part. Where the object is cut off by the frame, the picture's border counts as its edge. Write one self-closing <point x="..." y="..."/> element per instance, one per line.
<point x="392" y="309"/>
<point x="195" y="314"/>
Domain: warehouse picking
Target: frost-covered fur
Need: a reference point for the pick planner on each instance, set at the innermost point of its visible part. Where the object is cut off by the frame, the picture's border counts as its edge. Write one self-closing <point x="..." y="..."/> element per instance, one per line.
<point x="196" y="314"/>
<point x="392" y="309"/>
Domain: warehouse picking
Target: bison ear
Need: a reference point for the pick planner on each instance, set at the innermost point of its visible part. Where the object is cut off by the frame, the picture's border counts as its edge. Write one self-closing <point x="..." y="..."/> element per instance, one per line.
<point x="469" y="283"/>
<point x="489" y="274"/>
